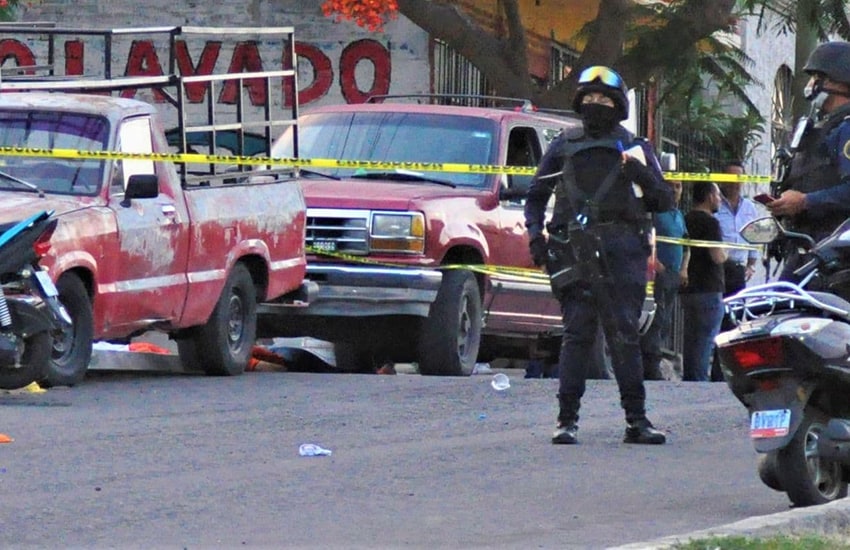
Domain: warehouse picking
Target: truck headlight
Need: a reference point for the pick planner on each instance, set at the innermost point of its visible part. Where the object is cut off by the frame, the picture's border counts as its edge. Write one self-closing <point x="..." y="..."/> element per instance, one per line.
<point x="398" y="232"/>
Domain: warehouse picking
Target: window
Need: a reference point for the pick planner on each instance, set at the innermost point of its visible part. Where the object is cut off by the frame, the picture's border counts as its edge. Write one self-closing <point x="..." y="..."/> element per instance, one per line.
<point x="134" y="136"/>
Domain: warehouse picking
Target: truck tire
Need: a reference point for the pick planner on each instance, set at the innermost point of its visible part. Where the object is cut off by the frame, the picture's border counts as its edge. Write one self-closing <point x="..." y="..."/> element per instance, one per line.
<point x="451" y="335"/>
<point x="224" y="344"/>
<point x="187" y="350"/>
<point x="72" y="347"/>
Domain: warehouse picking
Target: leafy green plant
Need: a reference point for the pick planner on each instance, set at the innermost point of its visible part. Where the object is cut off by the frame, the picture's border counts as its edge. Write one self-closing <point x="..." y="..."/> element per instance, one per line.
<point x="783" y="542"/>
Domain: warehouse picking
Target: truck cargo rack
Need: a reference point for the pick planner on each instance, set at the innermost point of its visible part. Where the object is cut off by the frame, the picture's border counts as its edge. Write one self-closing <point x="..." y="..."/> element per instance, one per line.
<point x="198" y="126"/>
<point x="463" y="100"/>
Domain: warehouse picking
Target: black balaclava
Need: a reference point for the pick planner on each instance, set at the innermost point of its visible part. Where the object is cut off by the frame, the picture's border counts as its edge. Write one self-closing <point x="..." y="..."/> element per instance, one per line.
<point x="598" y="119"/>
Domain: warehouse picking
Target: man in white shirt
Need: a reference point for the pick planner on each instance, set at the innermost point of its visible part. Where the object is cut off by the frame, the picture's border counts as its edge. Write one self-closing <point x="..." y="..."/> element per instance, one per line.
<point x="735" y="212"/>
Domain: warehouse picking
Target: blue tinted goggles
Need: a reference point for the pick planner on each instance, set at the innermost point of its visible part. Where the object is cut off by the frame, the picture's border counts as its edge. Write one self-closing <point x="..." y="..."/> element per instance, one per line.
<point x="603" y="74"/>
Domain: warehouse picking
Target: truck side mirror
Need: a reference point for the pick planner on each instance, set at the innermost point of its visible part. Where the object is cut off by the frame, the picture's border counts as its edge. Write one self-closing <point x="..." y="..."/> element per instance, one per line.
<point x="141" y="186"/>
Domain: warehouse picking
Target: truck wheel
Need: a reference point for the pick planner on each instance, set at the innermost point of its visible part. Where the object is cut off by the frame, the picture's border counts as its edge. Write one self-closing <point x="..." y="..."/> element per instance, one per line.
<point x="72" y="347"/>
<point x="451" y="335"/>
<point x="225" y="343"/>
<point x="803" y="475"/>
<point x="187" y="350"/>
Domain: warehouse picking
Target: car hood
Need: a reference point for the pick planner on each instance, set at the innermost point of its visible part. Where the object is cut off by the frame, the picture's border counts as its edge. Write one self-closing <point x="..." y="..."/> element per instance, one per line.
<point x="358" y="193"/>
<point x="15" y="206"/>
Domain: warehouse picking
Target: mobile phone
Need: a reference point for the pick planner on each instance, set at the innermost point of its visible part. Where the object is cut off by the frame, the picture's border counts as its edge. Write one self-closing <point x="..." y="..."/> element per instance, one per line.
<point x="764" y="198"/>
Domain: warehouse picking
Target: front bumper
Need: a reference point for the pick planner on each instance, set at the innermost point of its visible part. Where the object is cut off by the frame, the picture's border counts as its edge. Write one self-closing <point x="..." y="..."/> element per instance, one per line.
<point x="361" y="291"/>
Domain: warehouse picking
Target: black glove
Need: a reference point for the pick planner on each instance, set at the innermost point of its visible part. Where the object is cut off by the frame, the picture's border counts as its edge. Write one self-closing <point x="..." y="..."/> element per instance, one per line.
<point x="635" y="171"/>
<point x="539" y="249"/>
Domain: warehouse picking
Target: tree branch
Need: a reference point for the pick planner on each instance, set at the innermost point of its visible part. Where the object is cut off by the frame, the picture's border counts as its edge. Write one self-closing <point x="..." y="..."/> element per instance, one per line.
<point x="685" y="26"/>
<point x="500" y="61"/>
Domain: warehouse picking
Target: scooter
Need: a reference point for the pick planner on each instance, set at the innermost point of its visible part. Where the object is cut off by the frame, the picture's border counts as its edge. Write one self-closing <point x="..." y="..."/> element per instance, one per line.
<point x="30" y="310"/>
<point x="788" y="362"/>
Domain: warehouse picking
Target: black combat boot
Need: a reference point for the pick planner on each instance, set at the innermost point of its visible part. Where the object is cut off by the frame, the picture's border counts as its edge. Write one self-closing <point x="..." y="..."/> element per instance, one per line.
<point x="642" y="432"/>
<point x="566" y="433"/>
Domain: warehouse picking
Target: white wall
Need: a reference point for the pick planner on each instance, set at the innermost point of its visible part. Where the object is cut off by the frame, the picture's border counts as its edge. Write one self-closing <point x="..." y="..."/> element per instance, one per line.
<point x="770" y="51"/>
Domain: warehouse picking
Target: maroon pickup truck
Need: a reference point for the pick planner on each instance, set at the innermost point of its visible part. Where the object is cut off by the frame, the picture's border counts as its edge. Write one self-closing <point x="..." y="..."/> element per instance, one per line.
<point x="143" y="244"/>
<point x="382" y="240"/>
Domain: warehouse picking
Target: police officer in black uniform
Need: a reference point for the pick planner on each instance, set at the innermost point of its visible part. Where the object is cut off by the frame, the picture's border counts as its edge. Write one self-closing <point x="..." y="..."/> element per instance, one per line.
<point x="815" y="194"/>
<point x="605" y="181"/>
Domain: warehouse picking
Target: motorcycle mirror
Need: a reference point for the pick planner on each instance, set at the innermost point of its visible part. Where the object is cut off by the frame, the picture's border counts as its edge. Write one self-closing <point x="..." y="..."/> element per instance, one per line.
<point x="761" y="231"/>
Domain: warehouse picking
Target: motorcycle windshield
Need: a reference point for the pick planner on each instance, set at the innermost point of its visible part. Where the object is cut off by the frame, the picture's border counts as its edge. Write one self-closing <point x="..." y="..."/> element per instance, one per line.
<point x="839" y="240"/>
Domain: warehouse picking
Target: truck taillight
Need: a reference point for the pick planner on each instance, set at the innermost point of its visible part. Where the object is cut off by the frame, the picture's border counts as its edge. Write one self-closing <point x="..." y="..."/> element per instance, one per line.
<point x="758" y="353"/>
<point x="42" y="245"/>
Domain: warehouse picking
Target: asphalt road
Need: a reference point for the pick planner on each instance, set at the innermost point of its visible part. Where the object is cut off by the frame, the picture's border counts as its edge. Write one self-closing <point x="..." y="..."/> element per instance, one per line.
<point x="136" y="460"/>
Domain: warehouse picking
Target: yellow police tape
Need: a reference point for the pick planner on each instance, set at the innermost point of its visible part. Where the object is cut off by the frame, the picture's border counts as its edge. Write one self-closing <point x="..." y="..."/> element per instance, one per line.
<point x="707" y="244"/>
<point x="198" y="158"/>
<point x="518" y="273"/>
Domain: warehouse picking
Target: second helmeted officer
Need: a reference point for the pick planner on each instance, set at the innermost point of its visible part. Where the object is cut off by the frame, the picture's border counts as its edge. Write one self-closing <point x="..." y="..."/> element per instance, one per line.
<point x="815" y="195"/>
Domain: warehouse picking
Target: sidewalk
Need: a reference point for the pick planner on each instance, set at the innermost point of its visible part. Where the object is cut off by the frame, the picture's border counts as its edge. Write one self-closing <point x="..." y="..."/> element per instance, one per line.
<point x="831" y="519"/>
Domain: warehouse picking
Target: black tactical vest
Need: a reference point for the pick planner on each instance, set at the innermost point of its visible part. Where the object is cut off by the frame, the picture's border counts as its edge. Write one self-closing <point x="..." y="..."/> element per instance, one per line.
<point x="813" y="169"/>
<point x="617" y="205"/>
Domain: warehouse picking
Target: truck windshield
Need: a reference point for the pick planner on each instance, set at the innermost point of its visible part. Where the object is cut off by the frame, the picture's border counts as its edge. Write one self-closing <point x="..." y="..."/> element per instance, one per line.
<point x="395" y="137"/>
<point x="53" y="130"/>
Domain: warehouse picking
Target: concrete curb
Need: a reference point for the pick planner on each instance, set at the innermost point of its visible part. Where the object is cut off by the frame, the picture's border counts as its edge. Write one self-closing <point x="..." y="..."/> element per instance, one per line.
<point x="827" y="519"/>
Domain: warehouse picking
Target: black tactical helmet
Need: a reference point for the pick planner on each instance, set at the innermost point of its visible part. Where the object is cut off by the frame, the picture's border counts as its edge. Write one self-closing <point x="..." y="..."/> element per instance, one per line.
<point x="606" y="81"/>
<point x="831" y="59"/>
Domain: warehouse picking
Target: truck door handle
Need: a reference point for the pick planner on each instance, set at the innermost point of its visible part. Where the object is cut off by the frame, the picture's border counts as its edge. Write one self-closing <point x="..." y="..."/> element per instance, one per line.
<point x="169" y="210"/>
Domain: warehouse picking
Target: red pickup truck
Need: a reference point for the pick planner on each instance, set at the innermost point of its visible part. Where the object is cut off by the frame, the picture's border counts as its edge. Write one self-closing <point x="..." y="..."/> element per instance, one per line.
<point x="416" y="266"/>
<point x="144" y="244"/>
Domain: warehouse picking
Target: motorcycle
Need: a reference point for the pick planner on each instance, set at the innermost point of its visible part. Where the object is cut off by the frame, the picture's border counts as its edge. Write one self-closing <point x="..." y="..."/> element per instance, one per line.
<point x="30" y="310"/>
<point x="788" y="362"/>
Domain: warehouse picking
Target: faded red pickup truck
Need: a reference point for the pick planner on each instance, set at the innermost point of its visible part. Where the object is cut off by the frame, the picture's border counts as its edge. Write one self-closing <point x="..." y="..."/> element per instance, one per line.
<point x="146" y="245"/>
<point x="384" y="237"/>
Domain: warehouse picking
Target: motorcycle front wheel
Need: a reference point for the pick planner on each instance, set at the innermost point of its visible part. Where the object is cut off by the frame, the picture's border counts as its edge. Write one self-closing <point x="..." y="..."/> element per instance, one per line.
<point x="35" y="359"/>
<point x="803" y="474"/>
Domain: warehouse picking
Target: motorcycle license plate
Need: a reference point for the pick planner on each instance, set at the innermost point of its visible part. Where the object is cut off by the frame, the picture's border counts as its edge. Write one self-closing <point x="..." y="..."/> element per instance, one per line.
<point x="46" y="284"/>
<point x="774" y="423"/>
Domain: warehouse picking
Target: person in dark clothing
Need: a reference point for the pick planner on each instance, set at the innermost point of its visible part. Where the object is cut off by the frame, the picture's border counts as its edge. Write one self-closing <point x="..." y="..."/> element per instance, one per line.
<point x="815" y="194"/>
<point x="702" y="296"/>
<point x="671" y="272"/>
<point x="604" y="181"/>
